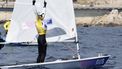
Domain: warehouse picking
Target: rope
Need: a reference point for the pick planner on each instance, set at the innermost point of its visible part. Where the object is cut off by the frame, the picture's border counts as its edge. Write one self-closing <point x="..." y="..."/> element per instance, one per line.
<point x="73" y="51"/>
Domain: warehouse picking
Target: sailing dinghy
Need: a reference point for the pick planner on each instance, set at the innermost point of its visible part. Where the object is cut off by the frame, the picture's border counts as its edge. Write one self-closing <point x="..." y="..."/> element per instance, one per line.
<point x="61" y="29"/>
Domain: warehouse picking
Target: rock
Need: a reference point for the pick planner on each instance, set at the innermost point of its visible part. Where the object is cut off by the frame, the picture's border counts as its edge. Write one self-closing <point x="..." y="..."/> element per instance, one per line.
<point x="5" y="15"/>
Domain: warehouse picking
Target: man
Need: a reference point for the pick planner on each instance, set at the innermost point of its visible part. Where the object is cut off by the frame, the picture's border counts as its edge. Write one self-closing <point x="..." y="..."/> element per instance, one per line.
<point x="42" y="44"/>
<point x="41" y="29"/>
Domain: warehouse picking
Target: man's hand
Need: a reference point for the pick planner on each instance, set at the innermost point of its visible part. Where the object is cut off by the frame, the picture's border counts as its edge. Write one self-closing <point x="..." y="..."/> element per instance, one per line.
<point x="45" y="4"/>
<point x="34" y="1"/>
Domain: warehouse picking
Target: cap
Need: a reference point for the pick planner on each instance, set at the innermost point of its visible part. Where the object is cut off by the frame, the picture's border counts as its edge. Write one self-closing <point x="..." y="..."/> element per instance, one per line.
<point x="41" y="14"/>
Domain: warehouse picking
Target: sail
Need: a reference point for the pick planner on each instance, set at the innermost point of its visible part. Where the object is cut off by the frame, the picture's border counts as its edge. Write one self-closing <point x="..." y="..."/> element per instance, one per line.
<point x="59" y="12"/>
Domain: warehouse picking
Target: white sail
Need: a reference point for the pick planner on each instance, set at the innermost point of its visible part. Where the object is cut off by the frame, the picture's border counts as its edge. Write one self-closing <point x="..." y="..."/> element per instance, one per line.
<point x="61" y="13"/>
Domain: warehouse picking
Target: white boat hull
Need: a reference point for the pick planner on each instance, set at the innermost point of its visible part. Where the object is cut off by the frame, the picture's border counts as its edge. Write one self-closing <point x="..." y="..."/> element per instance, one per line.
<point x="91" y="62"/>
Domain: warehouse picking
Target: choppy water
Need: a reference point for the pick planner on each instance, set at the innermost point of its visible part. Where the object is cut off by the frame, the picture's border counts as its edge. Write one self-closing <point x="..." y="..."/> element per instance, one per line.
<point x="92" y="40"/>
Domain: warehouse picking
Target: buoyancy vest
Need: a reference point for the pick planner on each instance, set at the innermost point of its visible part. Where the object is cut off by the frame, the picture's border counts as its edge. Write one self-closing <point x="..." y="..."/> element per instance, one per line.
<point x="7" y="25"/>
<point x="40" y="27"/>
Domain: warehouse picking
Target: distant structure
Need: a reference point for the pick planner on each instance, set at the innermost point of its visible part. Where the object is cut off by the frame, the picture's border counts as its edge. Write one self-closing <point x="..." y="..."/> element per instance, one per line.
<point x="74" y="0"/>
<point x="112" y="3"/>
<point x="85" y="3"/>
<point x="6" y="0"/>
<point x="7" y="3"/>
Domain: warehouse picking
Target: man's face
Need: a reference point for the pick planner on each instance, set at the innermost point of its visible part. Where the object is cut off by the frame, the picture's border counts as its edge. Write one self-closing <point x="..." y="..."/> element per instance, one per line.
<point x="40" y="17"/>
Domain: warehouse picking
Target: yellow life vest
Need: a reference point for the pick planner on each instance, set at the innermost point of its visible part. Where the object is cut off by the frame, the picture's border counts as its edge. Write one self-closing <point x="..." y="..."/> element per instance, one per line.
<point x="39" y="27"/>
<point x="7" y="25"/>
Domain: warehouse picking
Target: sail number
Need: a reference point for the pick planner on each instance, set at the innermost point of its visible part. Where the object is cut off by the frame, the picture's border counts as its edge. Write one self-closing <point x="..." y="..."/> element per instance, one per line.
<point x="100" y="61"/>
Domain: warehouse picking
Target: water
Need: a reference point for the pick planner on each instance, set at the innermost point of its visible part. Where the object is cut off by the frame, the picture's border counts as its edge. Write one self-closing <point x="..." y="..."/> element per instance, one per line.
<point x="107" y="40"/>
<point x="92" y="40"/>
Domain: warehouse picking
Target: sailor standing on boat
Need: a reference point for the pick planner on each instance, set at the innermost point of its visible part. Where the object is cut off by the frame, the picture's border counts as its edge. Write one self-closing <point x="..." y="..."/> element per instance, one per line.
<point x="41" y="29"/>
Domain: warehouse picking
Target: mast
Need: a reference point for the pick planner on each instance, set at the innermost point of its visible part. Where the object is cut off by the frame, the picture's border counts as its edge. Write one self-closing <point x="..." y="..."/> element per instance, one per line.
<point x="78" y="47"/>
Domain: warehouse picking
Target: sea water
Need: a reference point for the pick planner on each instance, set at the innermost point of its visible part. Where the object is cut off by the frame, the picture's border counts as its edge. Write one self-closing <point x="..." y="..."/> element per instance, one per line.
<point x="92" y="40"/>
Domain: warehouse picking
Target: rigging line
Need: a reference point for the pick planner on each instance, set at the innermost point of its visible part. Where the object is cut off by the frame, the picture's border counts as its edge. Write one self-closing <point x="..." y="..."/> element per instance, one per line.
<point x="70" y="49"/>
<point x="73" y="51"/>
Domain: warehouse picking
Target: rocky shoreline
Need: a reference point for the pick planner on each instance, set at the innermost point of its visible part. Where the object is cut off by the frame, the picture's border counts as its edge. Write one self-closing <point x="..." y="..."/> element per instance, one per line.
<point x="113" y="18"/>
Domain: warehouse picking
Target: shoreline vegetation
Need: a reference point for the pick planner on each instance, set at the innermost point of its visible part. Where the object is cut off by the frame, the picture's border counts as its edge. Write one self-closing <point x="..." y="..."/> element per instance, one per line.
<point x="113" y="18"/>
